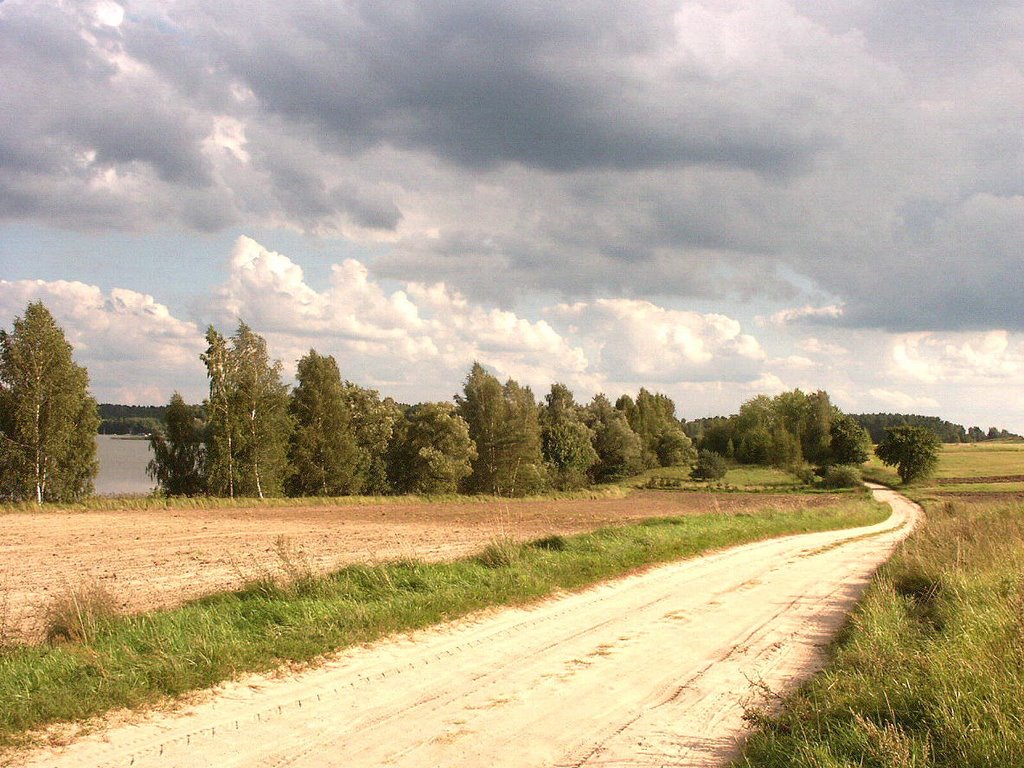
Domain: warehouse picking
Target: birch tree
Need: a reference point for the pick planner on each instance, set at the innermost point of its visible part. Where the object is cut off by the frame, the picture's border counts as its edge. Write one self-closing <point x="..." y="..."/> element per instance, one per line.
<point x="48" y="419"/>
<point x="249" y="426"/>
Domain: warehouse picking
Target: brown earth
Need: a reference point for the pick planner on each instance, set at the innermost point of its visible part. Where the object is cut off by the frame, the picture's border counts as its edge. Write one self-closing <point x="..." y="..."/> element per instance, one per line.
<point x="159" y="558"/>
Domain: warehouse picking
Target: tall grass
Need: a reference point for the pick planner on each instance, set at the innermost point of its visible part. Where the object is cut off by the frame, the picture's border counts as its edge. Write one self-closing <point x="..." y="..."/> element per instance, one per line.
<point x="930" y="671"/>
<point x="135" y="660"/>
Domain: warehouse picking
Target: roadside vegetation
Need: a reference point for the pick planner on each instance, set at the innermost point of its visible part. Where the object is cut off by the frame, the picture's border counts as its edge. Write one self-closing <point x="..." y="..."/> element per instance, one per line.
<point x="97" y="660"/>
<point x="929" y="670"/>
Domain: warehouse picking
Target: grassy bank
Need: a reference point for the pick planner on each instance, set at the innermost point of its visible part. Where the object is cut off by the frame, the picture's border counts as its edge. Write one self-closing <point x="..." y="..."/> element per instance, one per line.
<point x="930" y="670"/>
<point x="121" y="661"/>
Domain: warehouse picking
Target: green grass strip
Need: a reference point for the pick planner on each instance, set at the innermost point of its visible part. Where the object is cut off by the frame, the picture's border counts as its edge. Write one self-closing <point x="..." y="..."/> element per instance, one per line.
<point x="134" y="661"/>
<point x="929" y="672"/>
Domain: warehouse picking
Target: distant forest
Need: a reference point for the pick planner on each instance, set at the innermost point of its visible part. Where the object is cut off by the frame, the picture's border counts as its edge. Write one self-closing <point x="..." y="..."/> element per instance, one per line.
<point x="130" y="419"/>
<point x="947" y="432"/>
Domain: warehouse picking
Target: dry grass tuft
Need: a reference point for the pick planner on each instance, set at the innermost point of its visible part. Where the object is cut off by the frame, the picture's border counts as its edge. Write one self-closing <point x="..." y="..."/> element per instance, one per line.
<point x="78" y="614"/>
<point x="501" y="553"/>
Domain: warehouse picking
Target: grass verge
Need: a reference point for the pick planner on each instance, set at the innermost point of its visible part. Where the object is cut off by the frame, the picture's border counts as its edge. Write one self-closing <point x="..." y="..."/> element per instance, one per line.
<point x="930" y="669"/>
<point x="138" y="660"/>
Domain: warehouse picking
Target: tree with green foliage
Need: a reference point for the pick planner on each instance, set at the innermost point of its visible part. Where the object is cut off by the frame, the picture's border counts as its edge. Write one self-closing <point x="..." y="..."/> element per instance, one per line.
<point x="523" y="441"/>
<point x="619" y="450"/>
<point x="222" y="421"/>
<point x="653" y="417"/>
<point x="249" y="426"/>
<point x="48" y="419"/>
<point x="566" y="442"/>
<point x="850" y="443"/>
<point x="179" y="453"/>
<point x="322" y="452"/>
<point x="431" y="451"/>
<point x="262" y="404"/>
<point x="914" y="451"/>
<point x="373" y="422"/>
<point x="709" y="466"/>
<point x="504" y="425"/>
<point x="482" y="405"/>
<point x="717" y="434"/>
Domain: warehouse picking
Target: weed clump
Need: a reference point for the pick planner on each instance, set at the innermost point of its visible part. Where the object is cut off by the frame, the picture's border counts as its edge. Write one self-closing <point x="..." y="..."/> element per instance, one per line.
<point x="500" y="553"/>
<point x="77" y="615"/>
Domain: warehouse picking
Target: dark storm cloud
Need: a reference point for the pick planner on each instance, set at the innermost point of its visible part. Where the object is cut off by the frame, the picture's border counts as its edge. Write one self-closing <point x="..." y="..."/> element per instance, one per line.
<point x="563" y="86"/>
<point x="639" y="149"/>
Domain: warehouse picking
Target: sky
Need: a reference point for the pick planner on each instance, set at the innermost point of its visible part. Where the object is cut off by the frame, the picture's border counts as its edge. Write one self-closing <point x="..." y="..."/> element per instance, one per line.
<point x="711" y="199"/>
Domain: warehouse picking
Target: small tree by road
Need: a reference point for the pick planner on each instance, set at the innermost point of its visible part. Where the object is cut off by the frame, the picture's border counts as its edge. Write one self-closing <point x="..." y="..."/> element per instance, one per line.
<point x="914" y="451"/>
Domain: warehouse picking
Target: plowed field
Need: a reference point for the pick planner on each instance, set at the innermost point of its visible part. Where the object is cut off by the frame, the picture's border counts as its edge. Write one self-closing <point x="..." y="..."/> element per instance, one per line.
<point x="157" y="558"/>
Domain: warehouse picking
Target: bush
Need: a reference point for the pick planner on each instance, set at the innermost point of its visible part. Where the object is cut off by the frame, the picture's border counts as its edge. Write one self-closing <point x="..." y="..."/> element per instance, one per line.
<point x="841" y="476"/>
<point x="709" y="466"/>
<point x="804" y="473"/>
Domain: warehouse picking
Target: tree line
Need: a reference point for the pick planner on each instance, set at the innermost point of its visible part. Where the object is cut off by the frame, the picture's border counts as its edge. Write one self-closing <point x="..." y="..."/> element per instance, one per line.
<point x="794" y="430"/>
<point x="877" y="423"/>
<point x="130" y="419"/>
<point x="256" y="436"/>
<point x="253" y="436"/>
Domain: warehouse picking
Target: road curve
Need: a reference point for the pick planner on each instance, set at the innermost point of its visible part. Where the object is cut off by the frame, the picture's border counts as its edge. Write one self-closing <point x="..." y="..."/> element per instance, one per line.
<point x="649" y="670"/>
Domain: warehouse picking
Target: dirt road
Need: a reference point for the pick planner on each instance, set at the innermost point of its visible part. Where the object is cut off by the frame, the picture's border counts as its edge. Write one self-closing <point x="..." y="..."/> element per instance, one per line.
<point x="651" y="670"/>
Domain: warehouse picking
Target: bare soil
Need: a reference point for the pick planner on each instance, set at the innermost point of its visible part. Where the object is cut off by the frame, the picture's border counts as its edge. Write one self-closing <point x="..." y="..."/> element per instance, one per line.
<point x="651" y="670"/>
<point x="161" y="558"/>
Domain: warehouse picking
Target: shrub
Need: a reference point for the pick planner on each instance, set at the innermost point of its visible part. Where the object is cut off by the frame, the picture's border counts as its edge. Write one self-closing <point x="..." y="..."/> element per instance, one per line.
<point x="709" y="466"/>
<point x="804" y="473"/>
<point x="841" y="476"/>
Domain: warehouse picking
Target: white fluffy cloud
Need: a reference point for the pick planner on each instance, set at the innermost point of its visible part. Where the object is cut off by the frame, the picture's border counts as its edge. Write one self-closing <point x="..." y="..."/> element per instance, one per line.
<point x="416" y="341"/>
<point x="806" y="312"/>
<point x="136" y="351"/>
<point x="635" y="340"/>
<point x="990" y="357"/>
<point x="895" y="400"/>
<point x="437" y="332"/>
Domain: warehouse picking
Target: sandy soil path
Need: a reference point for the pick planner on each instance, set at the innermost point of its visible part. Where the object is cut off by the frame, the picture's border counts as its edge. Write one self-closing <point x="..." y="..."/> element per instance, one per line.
<point x="651" y="670"/>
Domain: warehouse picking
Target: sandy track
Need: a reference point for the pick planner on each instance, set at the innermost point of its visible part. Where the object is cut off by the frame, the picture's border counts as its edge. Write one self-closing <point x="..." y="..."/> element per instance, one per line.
<point x="650" y="670"/>
<point x="160" y="558"/>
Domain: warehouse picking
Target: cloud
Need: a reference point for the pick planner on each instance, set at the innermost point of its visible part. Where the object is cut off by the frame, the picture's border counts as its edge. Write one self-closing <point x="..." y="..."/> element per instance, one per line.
<point x="637" y="340"/>
<point x="991" y="357"/>
<point x="902" y="402"/>
<point x="821" y="348"/>
<point x="662" y="151"/>
<point x="801" y="314"/>
<point x="135" y="350"/>
<point x="384" y="335"/>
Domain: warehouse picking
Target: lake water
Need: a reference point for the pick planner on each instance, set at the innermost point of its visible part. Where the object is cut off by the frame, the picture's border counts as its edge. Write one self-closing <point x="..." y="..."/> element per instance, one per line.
<point x="122" y="465"/>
